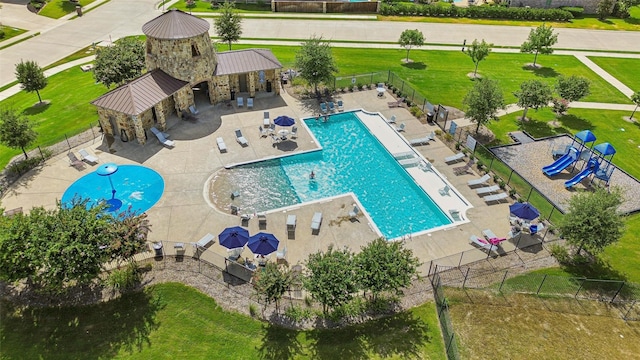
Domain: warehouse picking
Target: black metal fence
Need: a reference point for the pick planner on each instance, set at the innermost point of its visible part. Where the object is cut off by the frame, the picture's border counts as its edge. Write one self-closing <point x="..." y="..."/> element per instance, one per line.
<point x="446" y="325"/>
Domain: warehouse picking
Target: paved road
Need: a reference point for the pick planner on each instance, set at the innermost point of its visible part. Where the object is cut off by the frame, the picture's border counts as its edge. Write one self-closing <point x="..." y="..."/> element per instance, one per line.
<point x="119" y="18"/>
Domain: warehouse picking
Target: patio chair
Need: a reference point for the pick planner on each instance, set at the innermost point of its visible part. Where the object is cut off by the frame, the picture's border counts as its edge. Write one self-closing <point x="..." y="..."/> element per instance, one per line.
<point x="272" y="128"/>
<point x="281" y="255"/>
<point x="193" y="109"/>
<point x="380" y="89"/>
<point x="275" y="139"/>
<point x="392" y="119"/>
<point x="489" y="234"/>
<point x="221" y="145"/>
<point x="454" y="158"/>
<point x="240" y="101"/>
<point x="463" y="169"/>
<point x="323" y="107"/>
<point x="479" y="181"/>
<point x="74" y="161"/>
<point x="332" y="106"/>
<point x="262" y="220"/>
<point x="241" y="139"/>
<point x="266" y="120"/>
<point x="88" y="158"/>
<point x="316" y="221"/>
<point x="420" y="141"/>
<point x="484" y="244"/>
<point x="162" y="137"/>
<point x="395" y="104"/>
<point x="354" y="213"/>
<point x="455" y="215"/>
<point x="401" y="127"/>
<point x="291" y="222"/>
<point x="249" y="103"/>
<point x="263" y="132"/>
<point x="340" y="106"/>
<point x="487" y="190"/>
<point x="426" y="166"/>
<point x="294" y="132"/>
<point x="496" y="197"/>
<point x="444" y="191"/>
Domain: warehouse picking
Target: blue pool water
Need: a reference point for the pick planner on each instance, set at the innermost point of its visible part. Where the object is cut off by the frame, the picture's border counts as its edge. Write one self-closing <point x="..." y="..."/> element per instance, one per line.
<point x="352" y="160"/>
<point x="136" y="186"/>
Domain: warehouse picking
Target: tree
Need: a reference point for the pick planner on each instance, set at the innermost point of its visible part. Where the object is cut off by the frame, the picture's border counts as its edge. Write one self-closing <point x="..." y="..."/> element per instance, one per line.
<point x="533" y="94"/>
<point x="31" y="76"/>
<point x="330" y="278"/>
<point x="410" y="38"/>
<point x="540" y="40"/>
<point x="636" y="100"/>
<point x="16" y="131"/>
<point x="572" y="88"/>
<point x="478" y="52"/>
<point x="604" y="9"/>
<point x="593" y="221"/>
<point x="272" y="283"/>
<point x="119" y="63"/>
<point x="385" y="266"/>
<point x="229" y="24"/>
<point x="315" y="62"/>
<point x="483" y="101"/>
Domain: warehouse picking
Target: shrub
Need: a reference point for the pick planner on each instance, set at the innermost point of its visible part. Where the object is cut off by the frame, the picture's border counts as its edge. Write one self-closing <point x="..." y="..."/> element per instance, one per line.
<point x="21" y="167"/>
<point x="480" y="166"/>
<point x="576" y="11"/>
<point x="253" y="310"/>
<point x="512" y="192"/>
<point x="496" y="178"/>
<point x="123" y="279"/>
<point x="2" y="34"/>
<point x="478" y="12"/>
<point x="458" y="146"/>
<point x="297" y="313"/>
<point x="415" y="111"/>
<point x="561" y="253"/>
<point x="191" y="4"/>
<point x="502" y="184"/>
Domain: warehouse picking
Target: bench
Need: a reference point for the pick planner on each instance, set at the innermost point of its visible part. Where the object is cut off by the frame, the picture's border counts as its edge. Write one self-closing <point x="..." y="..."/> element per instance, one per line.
<point x="206" y="241"/>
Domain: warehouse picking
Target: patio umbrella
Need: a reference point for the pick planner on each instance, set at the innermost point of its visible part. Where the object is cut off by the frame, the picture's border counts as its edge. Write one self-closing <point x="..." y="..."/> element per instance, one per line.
<point x="284" y="120"/>
<point x="263" y="243"/>
<point x="234" y="237"/>
<point x="524" y="211"/>
<point x="108" y="170"/>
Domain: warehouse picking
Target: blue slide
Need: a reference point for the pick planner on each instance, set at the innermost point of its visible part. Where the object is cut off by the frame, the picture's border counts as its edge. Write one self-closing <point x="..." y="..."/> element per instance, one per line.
<point x="562" y="163"/>
<point x="592" y="166"/>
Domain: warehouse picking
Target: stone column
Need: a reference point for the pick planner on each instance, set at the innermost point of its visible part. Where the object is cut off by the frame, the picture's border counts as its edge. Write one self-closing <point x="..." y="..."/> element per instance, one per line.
<point x="138" y="129"/>
<point x="252" y="84"/>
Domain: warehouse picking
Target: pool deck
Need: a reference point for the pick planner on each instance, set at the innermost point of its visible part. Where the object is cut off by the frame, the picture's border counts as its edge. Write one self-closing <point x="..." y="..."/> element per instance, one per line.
<point x="183" y="213"/>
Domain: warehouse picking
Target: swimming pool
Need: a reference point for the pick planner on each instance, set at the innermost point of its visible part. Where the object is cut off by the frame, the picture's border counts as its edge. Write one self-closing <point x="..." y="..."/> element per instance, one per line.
<point x="352" y="160"/>
<point x="138" y="187"/>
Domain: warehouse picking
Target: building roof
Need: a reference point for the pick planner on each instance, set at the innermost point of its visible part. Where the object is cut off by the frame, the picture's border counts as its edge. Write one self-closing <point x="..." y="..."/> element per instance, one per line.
<point x="175" y="24"/>
<point x="140" y="94"/>
<point x="243" y="61"/>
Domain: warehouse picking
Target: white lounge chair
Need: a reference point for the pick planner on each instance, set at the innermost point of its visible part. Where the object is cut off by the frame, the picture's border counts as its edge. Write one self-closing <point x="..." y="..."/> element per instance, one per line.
<point x="291" y="222"/>
<point x="401" y="127"/>
<point x="266" y="120"/>
<point x="340" y="106"/>
<point x="241" y="139"/>
<point x="392" y="119"/>
<point x="487" y="189"/>
<point x="88" y="158"/>
<point x="332" y="106"/>
<point x="249" y="103"/>
<point x="496" y="197"/>
<point x="420" y="141"/>
<point x="323" y="107"/>
<point x="454" y="158"/>
<point x="263" y="132"/>
<point x="479" y="181"/>
<point x="489" y="234"/>
<point x="444" y="191"/>
<point x="221" y="145"/>
<point x="316" y="221"/>
<point x="240" y="101"/>
<point x="380" y="89"/>
<point x="193" y="110"/>
<point x="162" y="137"/>
<point x="262" y="220"/>
<point x="483" y="244"/>
<point x="354" y="213"/>
<point x="455" y="215"/>
<point x="294" y="132"/>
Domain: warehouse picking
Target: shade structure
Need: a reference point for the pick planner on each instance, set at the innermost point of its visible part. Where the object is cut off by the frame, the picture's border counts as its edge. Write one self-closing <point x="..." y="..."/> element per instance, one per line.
<point x="524" y="211"/>
<point x="284" y="120"/>
<point x="107" y="169"/>
<point x="234" y="237"/>
<point x="263" y="243"/>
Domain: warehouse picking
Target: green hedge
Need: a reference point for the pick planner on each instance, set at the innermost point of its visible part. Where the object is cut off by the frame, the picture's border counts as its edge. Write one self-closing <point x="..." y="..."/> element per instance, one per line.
<point x="480" y="12"/>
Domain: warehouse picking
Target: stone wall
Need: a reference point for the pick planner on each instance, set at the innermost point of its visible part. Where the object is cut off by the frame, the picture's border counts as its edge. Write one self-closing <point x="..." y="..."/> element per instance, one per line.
<point x="589" y="6"/>
<point x="183" y="98"/>
<point x="122" y="121"/>
<point x="176" y="58"/>
<point x="222" y="85"/>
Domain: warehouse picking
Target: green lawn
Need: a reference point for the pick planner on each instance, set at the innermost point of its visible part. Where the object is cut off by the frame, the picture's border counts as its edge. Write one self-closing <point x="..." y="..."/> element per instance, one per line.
<point x="10" y="32"/>
<point x="205" y="6"/>
<point x="173" y="321"/>
<point x="56" y="9"/>
<point x="625" y="70"/>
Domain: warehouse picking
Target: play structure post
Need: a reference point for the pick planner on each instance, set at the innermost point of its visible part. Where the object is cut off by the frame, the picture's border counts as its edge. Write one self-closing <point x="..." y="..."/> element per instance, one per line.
<point x="540" y="287"/>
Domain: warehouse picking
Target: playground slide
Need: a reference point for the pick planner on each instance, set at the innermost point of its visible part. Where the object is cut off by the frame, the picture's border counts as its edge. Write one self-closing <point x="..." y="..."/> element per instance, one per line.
<point x="562" y="163"/>
<point x="592" y="166"/>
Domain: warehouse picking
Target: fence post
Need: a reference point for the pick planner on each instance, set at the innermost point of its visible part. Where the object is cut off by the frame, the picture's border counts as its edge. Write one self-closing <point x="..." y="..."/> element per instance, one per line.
<point x="413" y="96"/>
<point x="552" y="209"/>
<point x="92" y="133"/>
<point x="66" y="138"/>
<point x="430" y="266"/>
<point x="617" y="292"/>
<point x="388" y="77"/>
<point x="509" y="179"/>
<point x="626" y="316"/>
<point x="540" y="287"/>
<point x="491" y="163"/>
<point x="461" y="256"/>
<point x="579" y="288"/>
<point x="530" y="191"/>
<point x="464" y="282"/>
<point x="371" y="78"/>
<point x="503" y="279"/>
<point x="451" y="340"/>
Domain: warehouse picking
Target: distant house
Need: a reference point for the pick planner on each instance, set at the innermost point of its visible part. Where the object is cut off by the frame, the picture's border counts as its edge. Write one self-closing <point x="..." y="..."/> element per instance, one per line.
<point x="181" y="60"/>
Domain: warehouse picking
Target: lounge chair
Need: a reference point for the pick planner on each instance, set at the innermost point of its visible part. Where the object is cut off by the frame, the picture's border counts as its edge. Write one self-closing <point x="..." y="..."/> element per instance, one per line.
<point x="275" y="139"/>
<point x="262" y="220"/>
<point x="479" y="181"/>
<point x="74" y="161"/>
<point x="291" y="222"/>
<point x="401" y="127"/>
<point x="397" y="103"/>
<point x="332" y="106"/>
<point x="294" y="132"/>
<point x="240" y="101"/>
<point x="483" y="244"/>
<point x="380" y="89"/>
<point x="463" y="169"/>
<point x="281" y="255"/>
<point x="323" y="107"/>
<point x="487" y="190"/>
<point x="221" y="145"/>
<point x="340" y="106"/>
<point x="193" y="109"/>
<point x="266" y="120"/>
<point x="263" y="132"/>
<point x="88" y="158"/>
<point x="241" y="139"/>
<point x="316" y="221"/>
<point x="444" y="191"/>
<point x="162" y="137"/>
<point x="13" y="212"/>
<point x="496" y="197"/>
<point x="234" y="210"/>
<point x="420" y="141"/>
<point x="392" y="119"/>
<point x="489" y="234"/>
<point x="250" y="103"/>
<point x="455" y="215"/>
<point x="205" y="241"/>
<point x="454" y="158"/>
<point x="354" y="213"/>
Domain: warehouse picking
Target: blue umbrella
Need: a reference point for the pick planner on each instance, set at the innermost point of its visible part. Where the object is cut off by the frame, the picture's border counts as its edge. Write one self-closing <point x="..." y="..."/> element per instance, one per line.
<point x="234" y="237"/>
<point x="263" y="243"/>
<point x="524" y="211"/>
<point x="284" y="120"/>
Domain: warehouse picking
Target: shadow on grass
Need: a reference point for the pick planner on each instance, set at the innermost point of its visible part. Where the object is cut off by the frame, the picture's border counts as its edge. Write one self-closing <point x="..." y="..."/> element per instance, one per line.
<point x="536" y="128"/>
<point x="415" y="65"/>
<point x="36" y="109"/>
<point x="88" y="332"/>
<point x="544" y="72"/>
<point x="279" y="343"/>
<point x="576" y="123"/>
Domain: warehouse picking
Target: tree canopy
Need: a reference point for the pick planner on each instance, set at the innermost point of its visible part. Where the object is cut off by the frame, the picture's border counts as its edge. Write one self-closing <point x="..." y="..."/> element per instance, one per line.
<point x="315" y="62"/>
<point x="228" y="24"/>
<point x="540" y="41"/>
<point x="119" y="63"/>
<point x="272" y="283"/>
<point x="572" y="88"/>
<point x="330" y="278"/>
<point x="411" y="38"/>
<point x="593" y="221"/>
<point x="533" y="94"/>
<point x="636" y="100"/>
<point x="483" y="101"/>
<point x="31" y="77"/>
<point x="478" y="51"/>
<point x="16" y="130"/>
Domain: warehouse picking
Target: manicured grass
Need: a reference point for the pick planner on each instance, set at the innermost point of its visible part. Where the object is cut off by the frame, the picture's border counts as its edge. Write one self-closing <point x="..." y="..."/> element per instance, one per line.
<point x="171" y="321"/>
<point x="10" y="32"/>
<point x="625" y="70"/>
<point x="205" y="6"/>
<point x="68" y="113"/>
<point x="56" y="9"/>
<point x="82" y="53"/>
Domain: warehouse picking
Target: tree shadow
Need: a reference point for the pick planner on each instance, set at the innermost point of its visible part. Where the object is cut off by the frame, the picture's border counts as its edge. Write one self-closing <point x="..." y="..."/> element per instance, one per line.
<point x="279" y="343"/>
<point x="576" y="123"/>
<point x="415" y="65"/>
<point x="536" y="128"/>
<point x="95" y="331"/>
<point x="36" y="109"/>
<point x="545" y="72"/>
